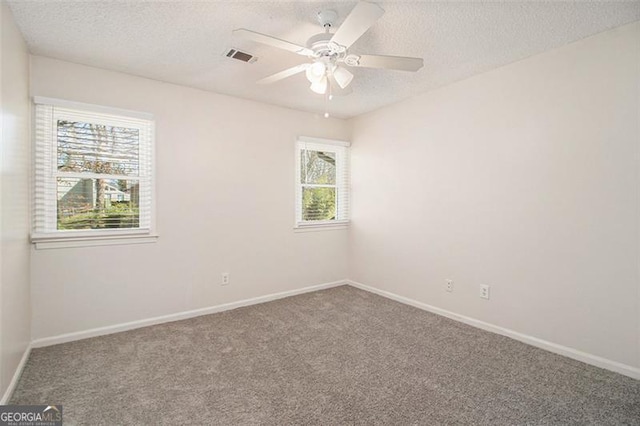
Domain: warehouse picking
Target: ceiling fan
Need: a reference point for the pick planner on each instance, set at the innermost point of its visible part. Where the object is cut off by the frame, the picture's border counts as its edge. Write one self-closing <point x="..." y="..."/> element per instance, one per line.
<point x="329" y="53"/>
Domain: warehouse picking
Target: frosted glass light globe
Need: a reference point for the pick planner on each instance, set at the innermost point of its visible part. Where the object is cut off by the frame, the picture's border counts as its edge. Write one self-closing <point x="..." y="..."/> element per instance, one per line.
<point x="342" y="76"/>
<point x="320" y="86"/>
<point x="316" y="72"/>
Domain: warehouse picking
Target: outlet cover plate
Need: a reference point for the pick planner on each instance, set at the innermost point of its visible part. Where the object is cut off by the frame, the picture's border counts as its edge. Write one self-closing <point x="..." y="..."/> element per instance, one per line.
<point x="484" y="291"/>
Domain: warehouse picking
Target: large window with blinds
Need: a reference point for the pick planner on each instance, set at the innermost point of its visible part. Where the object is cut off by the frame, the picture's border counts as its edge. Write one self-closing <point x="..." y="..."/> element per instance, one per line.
<point x="322" y="181"/>
<point x="93" y="171"/>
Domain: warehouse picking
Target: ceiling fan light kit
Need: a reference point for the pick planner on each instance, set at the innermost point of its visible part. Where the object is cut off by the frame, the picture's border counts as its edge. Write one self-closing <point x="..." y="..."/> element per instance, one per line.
<point x="329" y="53"/>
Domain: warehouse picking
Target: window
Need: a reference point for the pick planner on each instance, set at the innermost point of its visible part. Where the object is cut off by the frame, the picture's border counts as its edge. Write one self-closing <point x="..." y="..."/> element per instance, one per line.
<point x="322" y="176"/>
<point x="93" y="172"/>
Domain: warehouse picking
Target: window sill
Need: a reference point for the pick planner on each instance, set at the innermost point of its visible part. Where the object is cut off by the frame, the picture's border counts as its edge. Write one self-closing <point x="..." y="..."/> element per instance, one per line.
<point x="55" y="242"/>
<point x="324" y="226"/>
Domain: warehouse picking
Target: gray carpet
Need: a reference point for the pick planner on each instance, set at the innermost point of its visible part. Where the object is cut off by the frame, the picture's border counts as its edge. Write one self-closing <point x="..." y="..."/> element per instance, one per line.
<point x="338" y="356"/>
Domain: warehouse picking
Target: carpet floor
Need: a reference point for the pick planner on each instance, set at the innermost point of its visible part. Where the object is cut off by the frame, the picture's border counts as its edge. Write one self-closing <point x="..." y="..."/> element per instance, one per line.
<point x="336" y="356"/>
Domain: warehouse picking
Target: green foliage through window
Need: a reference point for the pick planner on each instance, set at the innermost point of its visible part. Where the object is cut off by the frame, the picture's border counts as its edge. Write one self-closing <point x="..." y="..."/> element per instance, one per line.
<point x="116" y="216"/>
<point x="318" y="203"/>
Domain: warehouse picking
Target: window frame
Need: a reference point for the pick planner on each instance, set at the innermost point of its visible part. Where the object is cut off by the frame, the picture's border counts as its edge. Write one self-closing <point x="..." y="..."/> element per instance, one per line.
<point x="342" y="185"/>
<point x="46" y="149"/>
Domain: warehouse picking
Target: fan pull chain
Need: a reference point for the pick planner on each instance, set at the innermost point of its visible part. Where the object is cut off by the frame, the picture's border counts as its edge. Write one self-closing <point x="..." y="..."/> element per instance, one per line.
<point x="327" y="96"/>
<point x="326" y="106"/>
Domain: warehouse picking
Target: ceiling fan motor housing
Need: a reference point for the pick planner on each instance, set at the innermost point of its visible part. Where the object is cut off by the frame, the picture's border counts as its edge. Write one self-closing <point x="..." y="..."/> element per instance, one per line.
<point x="324" y="49"/>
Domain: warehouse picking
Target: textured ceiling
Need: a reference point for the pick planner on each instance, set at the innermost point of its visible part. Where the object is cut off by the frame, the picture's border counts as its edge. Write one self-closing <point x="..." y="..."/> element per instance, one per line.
<point x="183" y="41"/>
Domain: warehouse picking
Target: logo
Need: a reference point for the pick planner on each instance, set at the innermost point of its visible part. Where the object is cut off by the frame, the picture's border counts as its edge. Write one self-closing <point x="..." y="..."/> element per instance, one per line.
<point x="30" y="415"/>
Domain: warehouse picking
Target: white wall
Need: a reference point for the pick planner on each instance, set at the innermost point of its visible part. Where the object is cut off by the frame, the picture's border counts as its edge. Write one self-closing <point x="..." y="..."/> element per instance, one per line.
<point x="525" y="178"/>
<point x="15" y="312"/>
<point x="225" y="203"/>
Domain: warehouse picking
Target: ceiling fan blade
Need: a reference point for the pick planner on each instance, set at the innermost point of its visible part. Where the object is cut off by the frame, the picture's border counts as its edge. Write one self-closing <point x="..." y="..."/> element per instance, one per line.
<point x="272" y="41"/>
<point x="390" y="62"/>
<point x="284" y="74"/>
<point x="361" y="18"/>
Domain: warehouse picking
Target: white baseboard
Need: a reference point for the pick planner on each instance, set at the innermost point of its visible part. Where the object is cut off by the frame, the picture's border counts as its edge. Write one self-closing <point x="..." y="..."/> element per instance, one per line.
<point x="94" y="332"/>
<point x="16" y="376"/>
<point x="587" y="358"/>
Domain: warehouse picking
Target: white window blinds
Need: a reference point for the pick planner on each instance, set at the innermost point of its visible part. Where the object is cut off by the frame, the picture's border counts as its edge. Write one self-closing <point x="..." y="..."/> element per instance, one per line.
<point x="93" y="170"/>
<point x="322" y="177"/>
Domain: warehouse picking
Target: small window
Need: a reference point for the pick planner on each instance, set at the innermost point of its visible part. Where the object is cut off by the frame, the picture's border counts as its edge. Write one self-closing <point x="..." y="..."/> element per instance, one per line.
<point x="322" y="196"/>
<point x="87" y="157"/>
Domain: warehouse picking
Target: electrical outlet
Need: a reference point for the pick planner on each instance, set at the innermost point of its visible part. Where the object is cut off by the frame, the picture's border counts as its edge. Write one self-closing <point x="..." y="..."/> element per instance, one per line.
<point x="225" y="278"/>
<point x="449" y="286"/>
<point x="484" y="291"/>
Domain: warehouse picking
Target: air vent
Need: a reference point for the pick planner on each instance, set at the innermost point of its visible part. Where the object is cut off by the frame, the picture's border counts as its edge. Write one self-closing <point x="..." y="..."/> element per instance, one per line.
<point x="240" y="55"/>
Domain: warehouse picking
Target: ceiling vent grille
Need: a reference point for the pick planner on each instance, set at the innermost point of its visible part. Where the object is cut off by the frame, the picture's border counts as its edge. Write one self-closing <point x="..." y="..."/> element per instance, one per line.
<point x="240" y="55"/>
